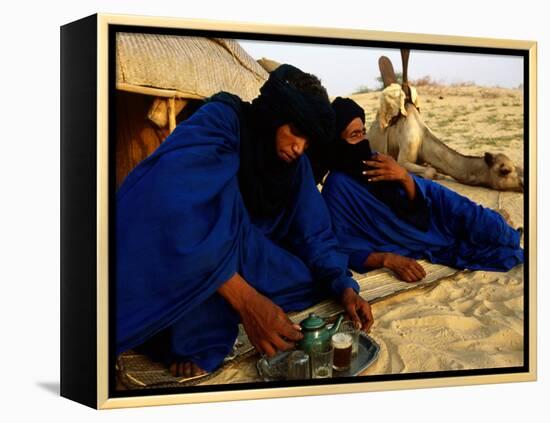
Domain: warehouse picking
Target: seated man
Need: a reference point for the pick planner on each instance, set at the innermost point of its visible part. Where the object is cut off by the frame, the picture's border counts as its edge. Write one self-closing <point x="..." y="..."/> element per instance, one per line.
<point x="223" y="224"/>
<point x="385" y="217"/>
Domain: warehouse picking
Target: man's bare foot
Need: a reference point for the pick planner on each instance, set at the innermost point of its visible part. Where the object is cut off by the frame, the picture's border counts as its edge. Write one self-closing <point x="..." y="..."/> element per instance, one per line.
<point x="185" y="369"/>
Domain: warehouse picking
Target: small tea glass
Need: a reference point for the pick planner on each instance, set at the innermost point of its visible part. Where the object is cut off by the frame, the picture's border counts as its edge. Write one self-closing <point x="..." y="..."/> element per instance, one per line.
<point x="342" y="343"/>
<point x="298" y="366"/>
<point x="321" y="360"/>
<point x="349" y="327"/>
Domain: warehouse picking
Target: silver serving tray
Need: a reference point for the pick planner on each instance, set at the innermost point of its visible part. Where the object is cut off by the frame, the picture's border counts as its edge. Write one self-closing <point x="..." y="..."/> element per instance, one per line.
<point x="275" y="368"/>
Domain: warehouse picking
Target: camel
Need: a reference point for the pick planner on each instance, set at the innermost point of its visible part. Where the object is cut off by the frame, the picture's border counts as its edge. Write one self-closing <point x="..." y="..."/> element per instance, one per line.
<point x="400" y="132"/>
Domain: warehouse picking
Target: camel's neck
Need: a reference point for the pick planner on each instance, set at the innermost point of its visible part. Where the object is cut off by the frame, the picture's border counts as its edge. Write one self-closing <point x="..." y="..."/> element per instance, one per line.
<point x="465" y="169"/>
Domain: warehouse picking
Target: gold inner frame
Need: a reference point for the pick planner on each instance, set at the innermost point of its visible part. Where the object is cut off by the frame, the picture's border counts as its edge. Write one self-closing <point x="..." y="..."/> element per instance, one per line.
<point x="103" y="401"/>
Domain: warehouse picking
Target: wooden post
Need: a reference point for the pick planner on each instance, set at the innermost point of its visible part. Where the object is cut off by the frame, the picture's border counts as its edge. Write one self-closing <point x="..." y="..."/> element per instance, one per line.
<point x="172" y="113"/>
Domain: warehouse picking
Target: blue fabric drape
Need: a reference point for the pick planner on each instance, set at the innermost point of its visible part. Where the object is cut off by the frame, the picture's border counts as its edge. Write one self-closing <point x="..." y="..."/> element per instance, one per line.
<point x="461" y="233"/>
<point x="182" y="230"/>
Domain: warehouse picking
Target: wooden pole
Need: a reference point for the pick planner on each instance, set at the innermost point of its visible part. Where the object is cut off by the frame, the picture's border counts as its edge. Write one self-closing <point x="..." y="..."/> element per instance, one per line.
<point x="156" y="92"/>
<point x="172" y="113"/>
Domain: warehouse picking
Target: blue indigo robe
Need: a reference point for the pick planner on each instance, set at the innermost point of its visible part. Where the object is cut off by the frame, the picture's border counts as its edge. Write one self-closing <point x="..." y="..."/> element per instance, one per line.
<point x="182" y="230"/>
<point x="460" y="234"/>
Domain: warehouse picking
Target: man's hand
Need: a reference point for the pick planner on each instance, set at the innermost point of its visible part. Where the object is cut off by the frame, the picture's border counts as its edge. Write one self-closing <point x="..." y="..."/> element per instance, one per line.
<point x="387" y="169"/>
<point x="406" y="269"/>
<point x="268" y="327"/>
<point x="357" y="309"/>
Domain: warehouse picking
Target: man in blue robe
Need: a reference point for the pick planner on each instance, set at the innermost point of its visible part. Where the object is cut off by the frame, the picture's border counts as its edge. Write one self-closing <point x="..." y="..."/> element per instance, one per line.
<point x="384" y="216"/>
<point x="223" y="224"/>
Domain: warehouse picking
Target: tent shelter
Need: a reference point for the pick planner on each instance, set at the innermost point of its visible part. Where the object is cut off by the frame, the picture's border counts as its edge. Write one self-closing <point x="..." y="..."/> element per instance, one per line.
<point x="161" y="80"/>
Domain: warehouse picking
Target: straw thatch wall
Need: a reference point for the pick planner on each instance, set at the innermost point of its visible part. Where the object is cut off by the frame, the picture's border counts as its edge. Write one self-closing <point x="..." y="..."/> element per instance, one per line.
<point x="189" y="67"/>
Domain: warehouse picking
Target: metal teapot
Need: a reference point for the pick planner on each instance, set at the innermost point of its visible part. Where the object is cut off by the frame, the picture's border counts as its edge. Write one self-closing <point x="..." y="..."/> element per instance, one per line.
<point x="315" y="331"/>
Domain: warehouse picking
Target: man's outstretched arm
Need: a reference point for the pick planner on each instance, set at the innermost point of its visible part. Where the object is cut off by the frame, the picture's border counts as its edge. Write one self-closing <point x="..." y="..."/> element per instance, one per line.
<point x="268" y="327"/>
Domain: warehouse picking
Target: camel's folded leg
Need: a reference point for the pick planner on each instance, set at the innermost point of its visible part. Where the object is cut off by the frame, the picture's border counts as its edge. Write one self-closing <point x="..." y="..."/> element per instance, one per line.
<point x="408" y="155"/>
<point x="406" y="158"/>
<point x="427" y="172"/>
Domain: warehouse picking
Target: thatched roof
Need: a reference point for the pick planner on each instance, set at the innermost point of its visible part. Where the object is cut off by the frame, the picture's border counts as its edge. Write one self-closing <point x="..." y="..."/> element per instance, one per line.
<point x="188" y="67"/>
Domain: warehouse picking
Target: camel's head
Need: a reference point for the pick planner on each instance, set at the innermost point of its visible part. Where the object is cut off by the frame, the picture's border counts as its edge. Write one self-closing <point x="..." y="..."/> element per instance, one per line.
<point x="503" y="173"/>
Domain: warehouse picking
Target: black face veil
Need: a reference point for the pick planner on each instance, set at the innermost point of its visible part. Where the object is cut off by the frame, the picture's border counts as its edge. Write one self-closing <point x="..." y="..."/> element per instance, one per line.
<point x="342" y="155"/>
<point x="348" y="158"/>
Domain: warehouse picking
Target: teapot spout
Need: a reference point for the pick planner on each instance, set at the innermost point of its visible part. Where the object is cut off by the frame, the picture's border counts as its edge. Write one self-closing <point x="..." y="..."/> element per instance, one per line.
<point x="336" y="325"/>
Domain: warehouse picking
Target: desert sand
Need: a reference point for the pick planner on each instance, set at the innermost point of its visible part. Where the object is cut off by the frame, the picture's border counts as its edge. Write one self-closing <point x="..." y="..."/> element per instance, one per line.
<point x="472" y="321"/>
